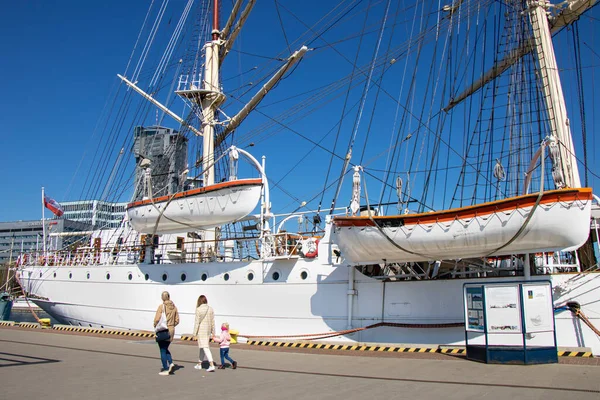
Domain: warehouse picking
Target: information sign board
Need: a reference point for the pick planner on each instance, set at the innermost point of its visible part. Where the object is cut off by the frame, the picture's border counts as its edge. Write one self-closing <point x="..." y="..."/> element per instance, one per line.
<point x="538" y="308"/>
<point x="503" y="311"/>
<point x="474" y="309"/>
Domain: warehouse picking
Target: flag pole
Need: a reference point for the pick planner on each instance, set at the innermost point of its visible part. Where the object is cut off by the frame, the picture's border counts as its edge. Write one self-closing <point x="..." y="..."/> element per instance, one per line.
<point x="44" y="224"/>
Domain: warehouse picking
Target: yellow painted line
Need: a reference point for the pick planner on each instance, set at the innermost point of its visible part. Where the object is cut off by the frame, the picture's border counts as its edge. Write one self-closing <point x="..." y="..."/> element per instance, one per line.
<point x="448" y="350"/>
<point x="28" y="325"/>
<point x="102" y="331"/>
<point x="575" y="354"/>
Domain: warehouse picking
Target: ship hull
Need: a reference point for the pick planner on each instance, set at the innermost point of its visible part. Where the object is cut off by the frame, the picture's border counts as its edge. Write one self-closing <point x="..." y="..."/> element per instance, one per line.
<point x="290" y="305"/>
<point x="490" y="229"/>
<point x="196" y="209"/>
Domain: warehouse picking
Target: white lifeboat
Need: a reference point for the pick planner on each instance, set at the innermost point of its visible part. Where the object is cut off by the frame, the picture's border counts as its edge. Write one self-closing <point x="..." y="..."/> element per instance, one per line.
<point x="560" y="221"/>
<point x="201" y="208"/>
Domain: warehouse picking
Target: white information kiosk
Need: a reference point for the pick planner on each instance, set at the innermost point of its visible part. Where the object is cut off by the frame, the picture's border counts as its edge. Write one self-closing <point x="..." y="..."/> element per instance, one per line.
<point x="510" y="322"/>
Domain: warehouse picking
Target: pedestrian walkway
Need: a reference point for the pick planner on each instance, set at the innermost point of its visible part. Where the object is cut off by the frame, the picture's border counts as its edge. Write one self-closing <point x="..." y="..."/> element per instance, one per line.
<point x="66" y="366"/>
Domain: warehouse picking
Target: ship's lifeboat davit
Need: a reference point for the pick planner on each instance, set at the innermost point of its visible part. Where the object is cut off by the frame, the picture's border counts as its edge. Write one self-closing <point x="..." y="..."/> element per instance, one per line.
<point x="196" y="209"/>
<point x="560" y="221"/>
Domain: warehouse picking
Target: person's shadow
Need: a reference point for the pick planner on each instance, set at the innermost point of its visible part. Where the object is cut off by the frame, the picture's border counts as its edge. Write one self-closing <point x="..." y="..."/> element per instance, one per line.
<point x="178" y="367"/>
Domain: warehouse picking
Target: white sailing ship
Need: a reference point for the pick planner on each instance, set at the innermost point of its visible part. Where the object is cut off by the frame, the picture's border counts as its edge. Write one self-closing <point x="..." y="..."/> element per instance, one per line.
<point x="478" y="180"/>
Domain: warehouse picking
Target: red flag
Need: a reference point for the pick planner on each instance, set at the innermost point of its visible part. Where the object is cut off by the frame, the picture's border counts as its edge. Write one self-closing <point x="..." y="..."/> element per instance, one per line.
<point x="53" y="206"/>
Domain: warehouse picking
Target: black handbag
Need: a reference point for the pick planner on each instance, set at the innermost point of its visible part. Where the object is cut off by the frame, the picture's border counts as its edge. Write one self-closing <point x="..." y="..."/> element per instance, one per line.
<point x="163" y="335"/>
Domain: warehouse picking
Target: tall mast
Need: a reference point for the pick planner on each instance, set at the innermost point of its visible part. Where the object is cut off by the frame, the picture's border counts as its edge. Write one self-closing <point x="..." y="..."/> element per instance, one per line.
<point x="553" y="94"/>
<point x="212" y="98"/>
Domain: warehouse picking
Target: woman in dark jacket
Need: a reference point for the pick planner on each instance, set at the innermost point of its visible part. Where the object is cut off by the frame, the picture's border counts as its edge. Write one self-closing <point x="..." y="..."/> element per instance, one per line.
<point x="172" y="316"/>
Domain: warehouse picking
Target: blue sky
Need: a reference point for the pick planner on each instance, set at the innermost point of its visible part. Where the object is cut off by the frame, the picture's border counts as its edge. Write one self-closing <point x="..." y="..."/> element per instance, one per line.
<point x="59" y="65"/>
<point x="60" y="61"/>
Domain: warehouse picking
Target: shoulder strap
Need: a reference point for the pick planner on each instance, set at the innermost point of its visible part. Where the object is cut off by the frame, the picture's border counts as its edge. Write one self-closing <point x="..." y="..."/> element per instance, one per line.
<point x="203" y="316"/>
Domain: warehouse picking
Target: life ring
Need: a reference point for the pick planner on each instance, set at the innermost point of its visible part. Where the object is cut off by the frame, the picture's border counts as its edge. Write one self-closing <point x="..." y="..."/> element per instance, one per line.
<point x="312" y="246"/>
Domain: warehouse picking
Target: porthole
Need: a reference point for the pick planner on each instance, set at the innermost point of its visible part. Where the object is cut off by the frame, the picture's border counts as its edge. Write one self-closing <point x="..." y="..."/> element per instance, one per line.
<point x="304" y="275"/>
<point x="102" y="326"/>
<point x="107" y="276"/>
<point x="90" y="325"/>
<point x="250" y="276"/>
<point x="164" y="277"/>
<point x="275" y="276"/>
<point x="226" y="277"/>
<point x="55" y="274"/>
<point x="88" y="275"/>
<point x="183" y="277"/>
<point x="70" y="275"/>
<point x="130" y="276"/>
<point x="146" y="277"/>
<point x="204" y="276"/>
<point x="40" y="274"/>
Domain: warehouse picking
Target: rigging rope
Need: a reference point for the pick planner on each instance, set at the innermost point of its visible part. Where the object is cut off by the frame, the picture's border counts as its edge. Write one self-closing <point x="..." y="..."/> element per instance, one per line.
<point x="337" y="136"/>
<point x="168" y="53"/>
<point x="149" y="41"/>
<point x="580" y="94"/>
<point x="281" y="24"/>
<point x="379" y="85"/>
<point x="535" y="206"/>
<point x="363" y="100"/>
<point x="380" y="229"/>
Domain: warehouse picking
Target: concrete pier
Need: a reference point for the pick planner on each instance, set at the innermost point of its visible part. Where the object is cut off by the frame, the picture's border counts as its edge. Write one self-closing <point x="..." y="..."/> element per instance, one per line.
<point x="44" y="363"/>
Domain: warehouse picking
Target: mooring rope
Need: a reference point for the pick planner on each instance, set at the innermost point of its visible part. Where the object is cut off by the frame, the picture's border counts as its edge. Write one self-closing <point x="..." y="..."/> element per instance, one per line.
<point x="26" y="299"/>
<point x="325" y="335"/>
<point x="575" y="308"/>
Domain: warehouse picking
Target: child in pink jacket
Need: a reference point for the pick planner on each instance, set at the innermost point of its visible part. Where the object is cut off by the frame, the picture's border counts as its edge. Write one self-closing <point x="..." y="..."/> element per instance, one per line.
<point x="225" y="340"/>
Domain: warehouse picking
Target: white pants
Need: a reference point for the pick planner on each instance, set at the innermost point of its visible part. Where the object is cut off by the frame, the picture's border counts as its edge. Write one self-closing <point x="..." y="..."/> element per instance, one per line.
<point x="207" y="354"/>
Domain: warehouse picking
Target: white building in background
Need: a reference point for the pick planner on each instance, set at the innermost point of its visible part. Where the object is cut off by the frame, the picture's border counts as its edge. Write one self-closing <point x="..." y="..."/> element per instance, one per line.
<point x="100" y="214"/>
<point x="28" y="237"/>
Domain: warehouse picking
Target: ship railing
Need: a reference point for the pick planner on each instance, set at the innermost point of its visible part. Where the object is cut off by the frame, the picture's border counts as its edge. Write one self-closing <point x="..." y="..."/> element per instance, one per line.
<point x="202" y="251"/>
<point x="556" y="268"/>
<point x="288" y="244"/>
<point x="239" y="248"/>
<point x="556" y="262"/>
<point x="81" y="256"/>
<point x="188" y="251"/>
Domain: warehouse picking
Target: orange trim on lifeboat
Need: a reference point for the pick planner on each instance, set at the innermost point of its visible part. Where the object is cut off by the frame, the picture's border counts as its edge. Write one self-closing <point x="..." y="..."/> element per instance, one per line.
<point x="206" y="189"/>
<point x="512" y="203"/>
